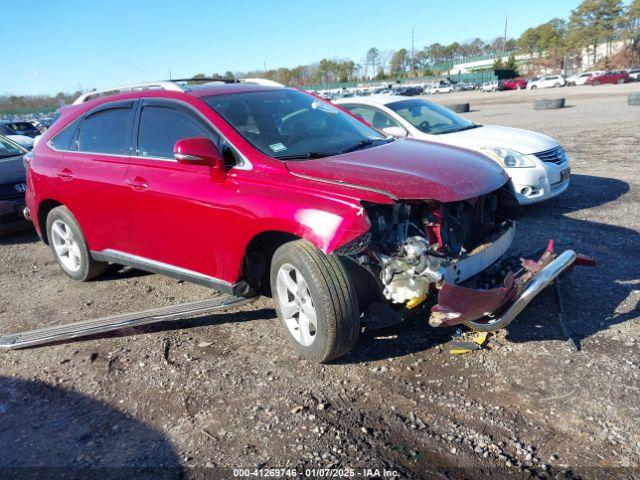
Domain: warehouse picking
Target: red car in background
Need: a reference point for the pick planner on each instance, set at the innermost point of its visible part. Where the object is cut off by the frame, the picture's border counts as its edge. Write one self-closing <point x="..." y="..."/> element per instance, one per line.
<point x="608" y="77"/>
<point x="514" y="84"/>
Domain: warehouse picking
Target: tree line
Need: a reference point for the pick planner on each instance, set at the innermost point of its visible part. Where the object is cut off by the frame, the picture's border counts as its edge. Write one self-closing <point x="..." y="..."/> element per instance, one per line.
<point x="592" y="23"/>
<point x="551" y="44"/>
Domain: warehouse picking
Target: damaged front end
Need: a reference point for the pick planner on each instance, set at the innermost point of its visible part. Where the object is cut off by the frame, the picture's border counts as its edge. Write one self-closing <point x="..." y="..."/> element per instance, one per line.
<point x="454" y="253"/>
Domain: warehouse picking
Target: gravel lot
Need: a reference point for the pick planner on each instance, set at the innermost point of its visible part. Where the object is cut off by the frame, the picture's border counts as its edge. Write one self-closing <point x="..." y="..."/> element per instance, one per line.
<point x="195" y="398"/>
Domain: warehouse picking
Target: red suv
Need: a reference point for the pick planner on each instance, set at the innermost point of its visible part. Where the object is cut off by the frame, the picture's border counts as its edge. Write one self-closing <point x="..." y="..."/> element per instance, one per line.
<point x="514" y="84"/>
<point x="253" y="190"/>
<point x="608" y="77"/>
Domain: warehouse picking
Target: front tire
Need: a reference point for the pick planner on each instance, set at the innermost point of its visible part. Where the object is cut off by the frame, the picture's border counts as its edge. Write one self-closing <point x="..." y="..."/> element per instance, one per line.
<point x="70" y="247"/>
<point x="315" y="300"/>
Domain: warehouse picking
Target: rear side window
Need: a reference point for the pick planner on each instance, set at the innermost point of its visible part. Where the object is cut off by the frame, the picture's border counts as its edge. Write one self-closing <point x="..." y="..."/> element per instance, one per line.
<point x="65" y="139"/>
<point x="161" y="127"/>
<point x="106" y="131"/>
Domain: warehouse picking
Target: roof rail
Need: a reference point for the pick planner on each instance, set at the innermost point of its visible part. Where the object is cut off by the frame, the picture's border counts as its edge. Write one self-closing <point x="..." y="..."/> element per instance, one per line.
<point x="265" y="82"/>
<point x="175" y="85"/>
<point x="204" y="80"/>
<point x="85" y="97"/>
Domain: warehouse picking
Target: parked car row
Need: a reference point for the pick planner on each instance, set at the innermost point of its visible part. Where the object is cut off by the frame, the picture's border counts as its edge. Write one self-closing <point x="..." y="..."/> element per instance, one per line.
<point x="342" y="213"/>
<point x="555" y="81"/>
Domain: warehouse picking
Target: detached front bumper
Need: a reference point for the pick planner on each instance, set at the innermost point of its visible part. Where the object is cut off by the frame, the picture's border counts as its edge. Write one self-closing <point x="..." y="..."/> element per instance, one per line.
<point x="495" y="308"/>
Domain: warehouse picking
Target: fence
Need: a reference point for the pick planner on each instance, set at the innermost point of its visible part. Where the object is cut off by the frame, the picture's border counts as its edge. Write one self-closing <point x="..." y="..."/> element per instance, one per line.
<point x="477" y="77"/>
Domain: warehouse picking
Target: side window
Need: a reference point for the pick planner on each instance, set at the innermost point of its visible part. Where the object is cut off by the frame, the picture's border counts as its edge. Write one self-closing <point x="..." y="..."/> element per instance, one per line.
<point x="106" y="131"/>
<point x="64" y="140"/>
<point x="161" y="127"/>
<point x="372" y="115"/>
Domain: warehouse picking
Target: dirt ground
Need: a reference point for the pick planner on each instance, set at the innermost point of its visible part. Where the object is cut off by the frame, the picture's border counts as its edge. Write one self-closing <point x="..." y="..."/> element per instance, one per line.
<point x="199" y="397"/>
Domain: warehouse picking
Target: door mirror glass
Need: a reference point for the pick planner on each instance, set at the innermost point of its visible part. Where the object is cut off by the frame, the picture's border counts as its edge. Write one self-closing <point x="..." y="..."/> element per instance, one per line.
<point x="397" y="132"/>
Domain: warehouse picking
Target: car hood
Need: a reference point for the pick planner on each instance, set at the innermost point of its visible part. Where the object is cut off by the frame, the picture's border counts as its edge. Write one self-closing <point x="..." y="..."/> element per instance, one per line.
<point x="12" y="170"/>
<point x="522" y="141"/>
<point x="409" y="169"/>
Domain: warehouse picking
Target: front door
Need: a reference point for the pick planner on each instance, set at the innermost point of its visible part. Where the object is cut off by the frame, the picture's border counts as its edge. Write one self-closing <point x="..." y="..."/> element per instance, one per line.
<point x="174" y="209"/>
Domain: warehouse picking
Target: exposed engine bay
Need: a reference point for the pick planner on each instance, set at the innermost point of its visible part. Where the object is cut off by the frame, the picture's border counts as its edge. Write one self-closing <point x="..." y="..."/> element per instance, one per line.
<point x="414" y="247"/>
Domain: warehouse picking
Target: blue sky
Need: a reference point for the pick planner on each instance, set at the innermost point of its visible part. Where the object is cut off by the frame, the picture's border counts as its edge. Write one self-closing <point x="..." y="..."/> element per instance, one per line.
<point x="62" y="45"/>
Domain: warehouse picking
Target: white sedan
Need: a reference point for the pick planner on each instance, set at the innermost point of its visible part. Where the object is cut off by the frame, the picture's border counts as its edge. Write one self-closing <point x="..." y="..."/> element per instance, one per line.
<point x="537" y="164"/>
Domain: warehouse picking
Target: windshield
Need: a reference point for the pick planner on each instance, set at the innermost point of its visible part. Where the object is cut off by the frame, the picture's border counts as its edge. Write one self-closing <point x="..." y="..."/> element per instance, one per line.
<point x="429" y="117"/>
<point x="7" y="149"/>
<point x="288" y="124"/>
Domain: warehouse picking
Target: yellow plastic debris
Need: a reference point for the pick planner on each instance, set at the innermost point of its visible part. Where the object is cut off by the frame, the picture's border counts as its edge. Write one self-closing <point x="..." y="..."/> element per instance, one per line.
<point x="481" y="338"/>
<point x="460" y="348"/>
<point x="414" y="302"/>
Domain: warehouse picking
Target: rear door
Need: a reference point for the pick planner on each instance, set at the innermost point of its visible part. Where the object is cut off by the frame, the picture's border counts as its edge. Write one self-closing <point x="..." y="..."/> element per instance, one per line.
<point x="90" y="176"/>
<point x="174" y="209"/>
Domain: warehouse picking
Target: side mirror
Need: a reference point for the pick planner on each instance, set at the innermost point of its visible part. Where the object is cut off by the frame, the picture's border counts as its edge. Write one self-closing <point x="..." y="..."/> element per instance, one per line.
<point x="397" y="132"/>
<point x="200" y="151"/>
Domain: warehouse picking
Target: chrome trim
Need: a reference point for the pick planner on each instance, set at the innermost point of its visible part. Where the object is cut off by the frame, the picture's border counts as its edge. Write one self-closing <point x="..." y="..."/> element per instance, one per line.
<point x="56" y="333"/>
<point x="244" y="165"/>
<point x="187" y="158"/>
<point x="555" y="156"/>
<point x="26" y="214"/>
<point x="149" y="265"/>
<point x="345" y="184"/>
<point x="542" y="280"/>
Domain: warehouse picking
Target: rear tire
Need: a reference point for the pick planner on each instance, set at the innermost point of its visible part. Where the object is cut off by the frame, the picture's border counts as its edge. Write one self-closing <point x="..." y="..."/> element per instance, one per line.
<point x="308" y="285"/>
<point x="549" y="104"/>
<point x="69" y="246"/>
<point x="459" y="107"/>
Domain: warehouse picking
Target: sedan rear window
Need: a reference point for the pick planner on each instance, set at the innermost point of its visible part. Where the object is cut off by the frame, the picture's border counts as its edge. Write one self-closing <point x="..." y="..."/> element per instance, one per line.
<point x="7" y="149"/>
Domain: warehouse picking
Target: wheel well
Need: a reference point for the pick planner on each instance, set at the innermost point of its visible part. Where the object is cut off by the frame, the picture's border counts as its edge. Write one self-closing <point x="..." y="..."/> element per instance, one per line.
<point x="257" y="260"/>
<point x="43" y="211"/>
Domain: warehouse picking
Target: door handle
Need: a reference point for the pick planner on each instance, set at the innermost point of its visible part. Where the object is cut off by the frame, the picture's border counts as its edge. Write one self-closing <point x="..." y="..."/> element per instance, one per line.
<point x="65" y="174"/>
<point x="137" y="183"/>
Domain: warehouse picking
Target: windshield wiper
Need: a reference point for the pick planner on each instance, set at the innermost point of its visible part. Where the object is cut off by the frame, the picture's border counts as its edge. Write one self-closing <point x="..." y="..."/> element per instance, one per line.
<point x="301" y="156"/>
<point x="364" y="143"/>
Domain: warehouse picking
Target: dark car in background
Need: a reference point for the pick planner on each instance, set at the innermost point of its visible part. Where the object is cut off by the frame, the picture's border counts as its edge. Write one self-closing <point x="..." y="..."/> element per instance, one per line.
<point x="408" y="91"/>
<point x="21" y="128"/>
<point x="12" y="187"/>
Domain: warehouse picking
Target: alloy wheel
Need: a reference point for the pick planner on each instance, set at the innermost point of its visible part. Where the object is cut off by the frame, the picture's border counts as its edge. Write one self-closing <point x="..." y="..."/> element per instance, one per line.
<point x="66" y="246"/>
<point x="296" y="304"/>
